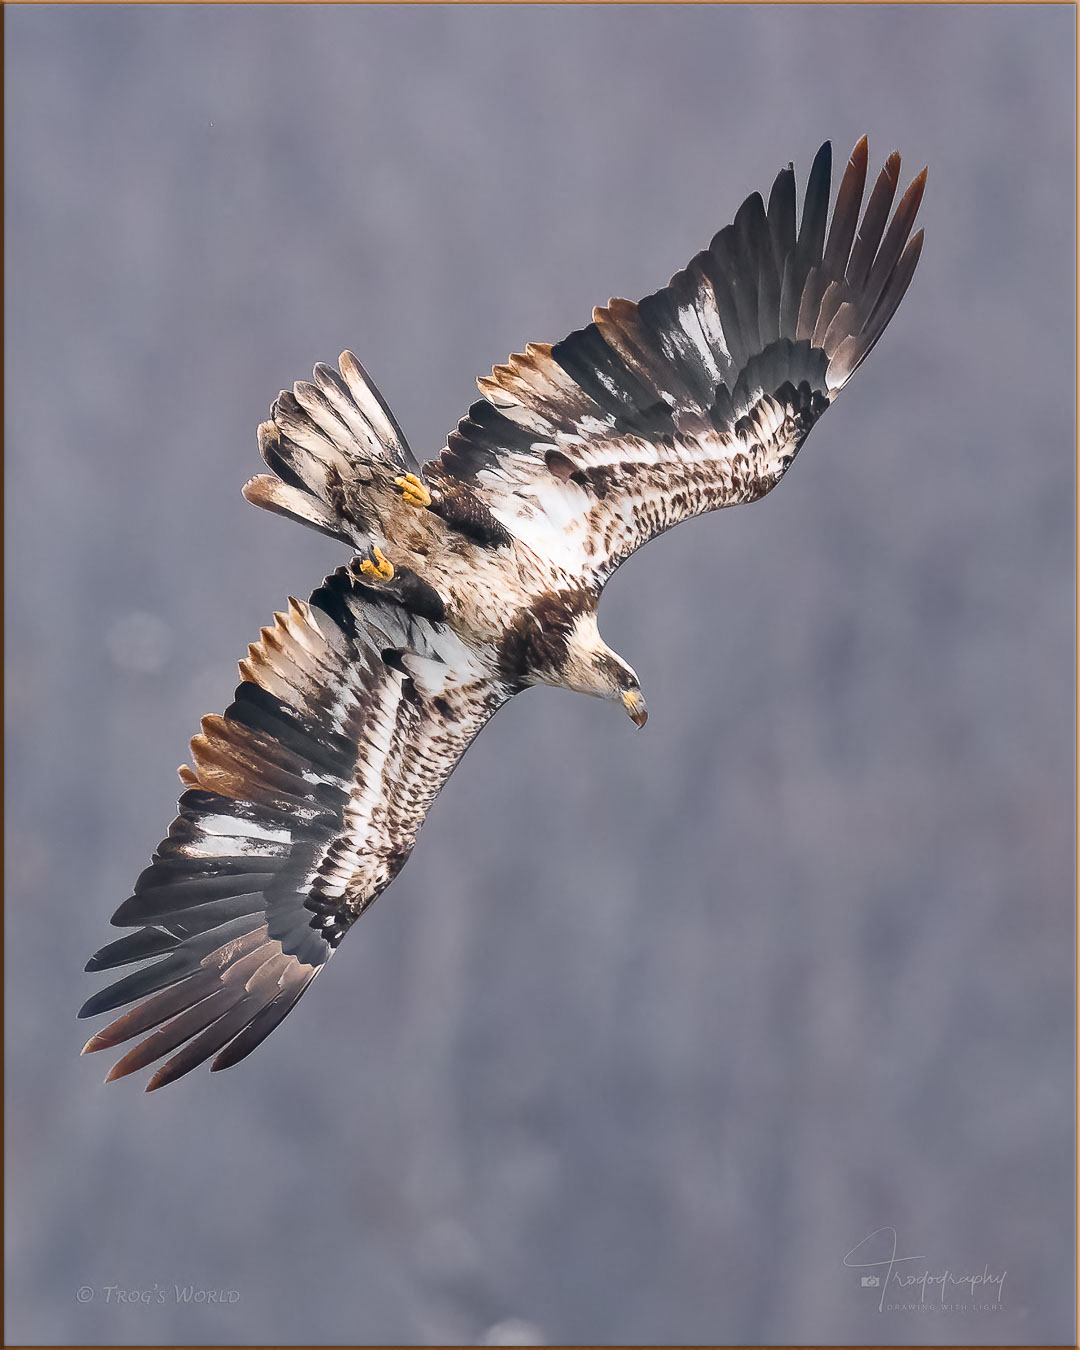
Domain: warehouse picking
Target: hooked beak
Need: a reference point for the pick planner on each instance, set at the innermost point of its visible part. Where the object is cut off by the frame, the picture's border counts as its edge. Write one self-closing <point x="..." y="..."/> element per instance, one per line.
<point x="635" y="706"/>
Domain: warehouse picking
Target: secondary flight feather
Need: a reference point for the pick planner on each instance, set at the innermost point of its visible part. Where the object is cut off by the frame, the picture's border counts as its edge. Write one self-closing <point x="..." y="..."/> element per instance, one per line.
<point x="472" y="579"/>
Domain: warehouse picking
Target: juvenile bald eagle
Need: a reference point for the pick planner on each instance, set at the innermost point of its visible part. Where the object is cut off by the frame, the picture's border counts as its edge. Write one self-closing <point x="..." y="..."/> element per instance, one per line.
<point x="472" y="579"/>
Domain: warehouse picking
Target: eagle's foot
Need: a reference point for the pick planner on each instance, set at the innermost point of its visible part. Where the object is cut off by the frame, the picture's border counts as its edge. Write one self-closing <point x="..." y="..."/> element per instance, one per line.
<point x="378" y="566"/>
<point x="414" y="491"/>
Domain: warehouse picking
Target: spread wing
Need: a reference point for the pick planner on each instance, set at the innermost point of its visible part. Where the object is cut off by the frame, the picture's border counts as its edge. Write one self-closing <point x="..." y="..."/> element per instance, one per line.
<point x="700" y="395"/>
<point x="303" y="804"/>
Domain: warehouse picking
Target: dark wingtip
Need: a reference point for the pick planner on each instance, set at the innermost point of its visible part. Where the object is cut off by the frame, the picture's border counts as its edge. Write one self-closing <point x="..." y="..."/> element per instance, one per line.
<point x="128" y="913"/>
<point x="819" y="178"/>
<point x="160" y="1079"/>
<point x="912" y="198"/>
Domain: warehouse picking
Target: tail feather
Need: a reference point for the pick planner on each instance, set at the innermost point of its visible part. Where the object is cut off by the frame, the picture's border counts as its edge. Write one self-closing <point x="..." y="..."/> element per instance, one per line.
<point x="326" y="438"/>
<point x="269" y="492"/>
<point x="373" y="408"/>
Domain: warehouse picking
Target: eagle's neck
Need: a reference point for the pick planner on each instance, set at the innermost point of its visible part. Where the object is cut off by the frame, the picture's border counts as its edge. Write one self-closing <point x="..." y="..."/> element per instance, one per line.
<point x="556" y="641"/>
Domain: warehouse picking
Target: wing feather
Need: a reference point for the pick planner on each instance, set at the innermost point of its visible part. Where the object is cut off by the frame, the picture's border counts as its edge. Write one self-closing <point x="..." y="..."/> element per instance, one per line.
<point x="303" y="803"/>
<point x="700" y="395"/>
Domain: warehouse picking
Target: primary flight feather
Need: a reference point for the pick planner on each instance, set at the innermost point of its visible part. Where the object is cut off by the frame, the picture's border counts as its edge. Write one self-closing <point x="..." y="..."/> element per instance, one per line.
<point x="472" y="579"/>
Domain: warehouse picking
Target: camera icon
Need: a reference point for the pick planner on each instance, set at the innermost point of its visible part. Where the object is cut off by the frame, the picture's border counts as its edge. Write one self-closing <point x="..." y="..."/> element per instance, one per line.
<point x="870" y="1281"/>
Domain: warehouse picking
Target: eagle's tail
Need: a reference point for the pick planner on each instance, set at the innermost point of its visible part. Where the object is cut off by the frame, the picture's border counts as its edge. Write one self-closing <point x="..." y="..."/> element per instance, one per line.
<point x="325" y="442"/>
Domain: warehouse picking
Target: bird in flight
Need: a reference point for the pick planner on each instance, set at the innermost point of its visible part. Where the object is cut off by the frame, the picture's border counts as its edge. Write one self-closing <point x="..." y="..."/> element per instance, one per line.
<point x="471" y="579"/>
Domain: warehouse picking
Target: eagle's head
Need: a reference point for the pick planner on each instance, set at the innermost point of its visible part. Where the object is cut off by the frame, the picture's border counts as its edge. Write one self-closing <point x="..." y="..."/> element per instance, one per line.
<point x="591" y="667"/>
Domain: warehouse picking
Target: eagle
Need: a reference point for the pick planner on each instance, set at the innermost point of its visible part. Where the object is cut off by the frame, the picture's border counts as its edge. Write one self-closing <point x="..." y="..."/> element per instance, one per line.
<point x="472" y="578"/>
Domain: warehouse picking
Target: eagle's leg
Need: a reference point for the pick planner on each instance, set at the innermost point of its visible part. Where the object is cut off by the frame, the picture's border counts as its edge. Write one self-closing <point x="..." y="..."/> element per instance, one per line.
<point x="378" y="566"/>
<point x="414" y="491"/>
<point x="457" y="504"/>
<point x="403" y="587"/>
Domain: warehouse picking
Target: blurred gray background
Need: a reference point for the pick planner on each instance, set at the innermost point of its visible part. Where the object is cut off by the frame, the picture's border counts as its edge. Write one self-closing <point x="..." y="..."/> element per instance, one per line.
<point x="655" y="1028"/>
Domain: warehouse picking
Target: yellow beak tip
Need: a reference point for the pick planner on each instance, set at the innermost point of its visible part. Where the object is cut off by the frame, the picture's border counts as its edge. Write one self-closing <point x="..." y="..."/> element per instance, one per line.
<point x="635" y="707"/>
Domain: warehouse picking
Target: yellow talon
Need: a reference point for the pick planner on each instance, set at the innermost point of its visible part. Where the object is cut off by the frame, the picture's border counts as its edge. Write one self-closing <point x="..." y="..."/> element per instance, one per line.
<point x="413" y="490"/>
<point x="381" y="567"/>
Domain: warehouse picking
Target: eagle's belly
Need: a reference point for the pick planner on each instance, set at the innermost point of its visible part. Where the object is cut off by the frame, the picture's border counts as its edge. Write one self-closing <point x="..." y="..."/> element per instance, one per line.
<point x="511" y="606"/>
<point x="485" y="589"/>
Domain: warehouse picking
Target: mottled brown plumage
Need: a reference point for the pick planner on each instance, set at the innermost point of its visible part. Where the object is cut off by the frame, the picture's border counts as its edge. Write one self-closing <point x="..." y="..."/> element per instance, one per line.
<point x="470" y="582"/>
